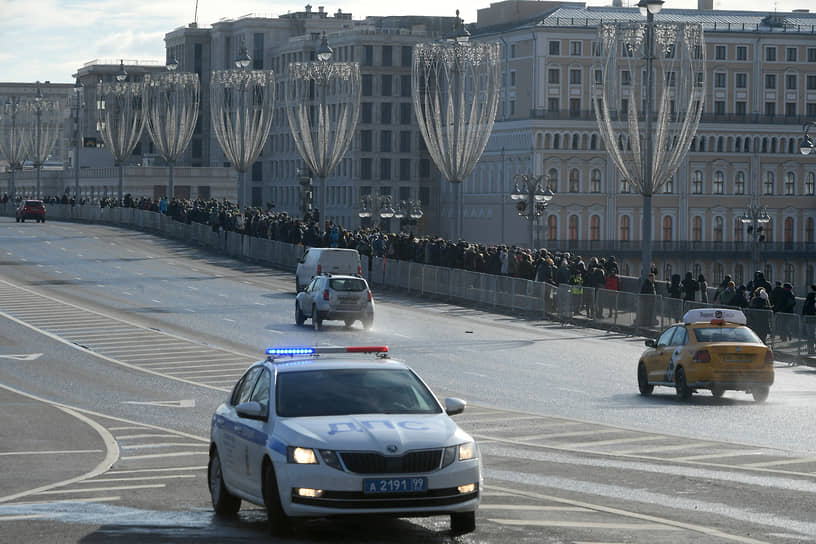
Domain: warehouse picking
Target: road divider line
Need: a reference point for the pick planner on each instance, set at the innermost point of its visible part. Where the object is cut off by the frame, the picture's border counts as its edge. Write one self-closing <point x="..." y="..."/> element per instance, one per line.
<point x="796" y="461"/>
<point x="159" y="455"/>
<point x="53" y="452"/>
<point x="169" y="469"/>
<point x="96" y="489"/>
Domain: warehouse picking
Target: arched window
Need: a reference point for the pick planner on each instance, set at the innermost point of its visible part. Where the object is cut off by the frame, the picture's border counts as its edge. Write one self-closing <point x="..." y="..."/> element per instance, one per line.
<point x="596" y="180"/>
<point x="574" y="181"/>
<point x="552" y="179"/>
<point x="697" y="229"/>
<point x="624" y="228"/>
<point x="789" y="273"/>
<point x="809" y="230"/>
<point x="788" y="230"/>
<point x="667" y="270"/>
<point x="738" y="229"/>
<point x="720" y="145"/>
<point x="769" y="182"/>
<point x="790" y="184"/>
<point x="573" y="228"/>
<point x="718" y="229"/>
<point x="810" y="183"/>
<point x="667" y="229"/>
<point x="719" y="182"/>
<point x="552" y="228"/>
<point x="697" y="183"/>
<point x="739" y="183"/>
<point x="595" y="228"/>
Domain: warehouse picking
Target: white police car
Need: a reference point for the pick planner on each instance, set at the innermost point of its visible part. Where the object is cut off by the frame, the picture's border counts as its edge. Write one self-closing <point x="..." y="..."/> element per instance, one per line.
<point x="307" y="436"/>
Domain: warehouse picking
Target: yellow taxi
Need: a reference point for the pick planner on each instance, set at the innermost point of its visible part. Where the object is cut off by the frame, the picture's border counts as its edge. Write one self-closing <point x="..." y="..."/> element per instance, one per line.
<point x="711" y="349"/>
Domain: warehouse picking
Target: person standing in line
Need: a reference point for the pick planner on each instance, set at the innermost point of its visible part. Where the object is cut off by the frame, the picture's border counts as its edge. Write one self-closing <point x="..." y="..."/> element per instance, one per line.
<point x="809" y="320"/>
<point x="703" y="286"/>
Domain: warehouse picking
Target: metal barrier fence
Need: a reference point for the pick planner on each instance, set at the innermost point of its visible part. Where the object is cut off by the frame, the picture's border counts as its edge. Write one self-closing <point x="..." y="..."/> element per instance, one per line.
<point x="618" y="310"/>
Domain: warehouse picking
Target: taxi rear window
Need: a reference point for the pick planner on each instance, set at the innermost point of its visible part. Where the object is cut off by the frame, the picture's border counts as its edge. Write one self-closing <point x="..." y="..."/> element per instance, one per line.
<point x="347" y="284"/>
<point x="741" y="335"/>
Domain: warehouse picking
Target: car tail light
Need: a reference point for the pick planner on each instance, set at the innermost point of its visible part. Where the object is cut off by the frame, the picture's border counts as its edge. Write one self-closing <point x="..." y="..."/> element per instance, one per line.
<point x="319" y="269"/>
<point x="359" y="270"/>
<point x="702" y="356"/>
<point x="325" y="294"/>
<point x="769" y="357"/>
<point x="369" y="296"/>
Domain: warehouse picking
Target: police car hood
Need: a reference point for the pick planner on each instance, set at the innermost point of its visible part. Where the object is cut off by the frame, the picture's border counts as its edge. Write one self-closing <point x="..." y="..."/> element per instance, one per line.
<point x="372" y="432"/>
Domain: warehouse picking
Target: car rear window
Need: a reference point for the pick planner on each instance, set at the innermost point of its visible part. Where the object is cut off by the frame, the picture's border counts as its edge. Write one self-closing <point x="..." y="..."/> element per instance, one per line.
<point x="335" y="392"/>
<point x="347" y="284"/>
<point x="741" y="335"/>
<point x="34" y="203"/>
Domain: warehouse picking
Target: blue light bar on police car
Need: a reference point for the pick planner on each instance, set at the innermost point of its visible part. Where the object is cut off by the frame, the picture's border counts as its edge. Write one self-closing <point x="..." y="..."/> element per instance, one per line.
<point x="323" y="350"/>
<point x="290" y="351"/>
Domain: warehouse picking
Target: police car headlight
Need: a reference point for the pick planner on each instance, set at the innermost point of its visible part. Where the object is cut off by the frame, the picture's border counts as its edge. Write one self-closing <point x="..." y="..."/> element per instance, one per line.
<point x="301" y="456"/>
<point x="467" y="451"/>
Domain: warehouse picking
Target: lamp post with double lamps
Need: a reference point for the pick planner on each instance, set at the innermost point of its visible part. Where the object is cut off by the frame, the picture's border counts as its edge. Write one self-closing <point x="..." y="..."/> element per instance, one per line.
<point x="376" y="206"/>
<point x="78" y="102"/>
<point x="409" y="211"/>
<point x="531" y="199"/>
<point x="756" y="217"/>
<point x="306" y="188"/>
<point x="664" y="66"/>
<point x="807" y="146"/>
<point x="43" y="126"/>
<point x="13" y="144"/>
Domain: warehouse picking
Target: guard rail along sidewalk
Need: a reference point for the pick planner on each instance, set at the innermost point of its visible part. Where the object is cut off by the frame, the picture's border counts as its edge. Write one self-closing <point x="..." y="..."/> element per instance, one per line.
<point x="790" y="335"/>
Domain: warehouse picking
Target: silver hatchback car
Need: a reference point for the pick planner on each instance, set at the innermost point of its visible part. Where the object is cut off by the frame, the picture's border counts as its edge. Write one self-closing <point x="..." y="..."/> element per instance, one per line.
<point x="335" y="298"/>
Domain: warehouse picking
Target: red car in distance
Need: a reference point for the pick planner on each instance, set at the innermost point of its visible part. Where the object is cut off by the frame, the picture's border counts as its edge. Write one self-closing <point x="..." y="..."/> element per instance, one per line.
<point x="31" y="209"/>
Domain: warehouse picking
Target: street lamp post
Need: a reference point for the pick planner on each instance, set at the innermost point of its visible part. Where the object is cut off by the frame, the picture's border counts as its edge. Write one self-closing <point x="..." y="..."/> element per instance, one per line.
<point x="377" y="206"/>
<point x="44" y="117"/>
<point x="648" y="147"/>
<point x="305" y="182"/>
<point x="410" y="211"/>
<point x="756" y="217"/>
<point x="78" y="101"/>
<point x="13" y="144"/>
<point x="531" y="201"/>
<point x="807" y="146"/>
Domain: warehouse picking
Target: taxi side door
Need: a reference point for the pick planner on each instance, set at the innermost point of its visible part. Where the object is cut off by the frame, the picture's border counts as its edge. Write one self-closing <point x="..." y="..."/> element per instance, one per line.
<point x="660" y="356"/>
<point x="676" y="354"/>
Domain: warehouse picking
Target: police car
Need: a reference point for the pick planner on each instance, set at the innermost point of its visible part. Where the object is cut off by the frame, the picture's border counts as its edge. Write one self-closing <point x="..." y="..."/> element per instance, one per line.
<point x="711" y="349"/>
<point x="307" y="433"/>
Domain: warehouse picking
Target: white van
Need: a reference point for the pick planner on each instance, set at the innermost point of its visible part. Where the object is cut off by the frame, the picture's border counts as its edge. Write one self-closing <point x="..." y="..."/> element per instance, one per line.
<point x="321" y="260"/>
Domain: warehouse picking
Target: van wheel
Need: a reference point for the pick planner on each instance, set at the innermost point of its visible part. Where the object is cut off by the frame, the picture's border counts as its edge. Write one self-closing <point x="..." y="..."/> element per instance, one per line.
<point x="317" y="323"/>
<point x="299" y="317"/>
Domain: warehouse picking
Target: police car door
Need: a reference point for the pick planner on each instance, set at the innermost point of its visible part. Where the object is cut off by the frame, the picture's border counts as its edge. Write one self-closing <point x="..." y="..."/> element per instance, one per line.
<point x="255" y="437"/>
<point x="237" y="432"/>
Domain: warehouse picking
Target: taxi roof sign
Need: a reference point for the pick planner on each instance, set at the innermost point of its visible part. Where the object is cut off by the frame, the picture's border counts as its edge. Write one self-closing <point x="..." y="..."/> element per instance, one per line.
<point x="703" y="315"/>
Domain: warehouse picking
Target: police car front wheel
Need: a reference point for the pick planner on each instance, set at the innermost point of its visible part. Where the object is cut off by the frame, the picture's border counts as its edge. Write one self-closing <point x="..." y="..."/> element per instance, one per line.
<point x="278" y="521"/>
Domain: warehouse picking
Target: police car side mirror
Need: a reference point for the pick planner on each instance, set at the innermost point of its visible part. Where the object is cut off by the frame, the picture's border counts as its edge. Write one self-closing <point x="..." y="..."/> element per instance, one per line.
<point x="251" y="410"/>
<point x="454" y="406"/>
<point x="651" y="343"/>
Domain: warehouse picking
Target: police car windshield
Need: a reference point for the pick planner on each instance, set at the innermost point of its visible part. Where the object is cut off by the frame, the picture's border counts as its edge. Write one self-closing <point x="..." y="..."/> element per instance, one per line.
<point x="741" y="335"/>
<point x="334" y="392"/>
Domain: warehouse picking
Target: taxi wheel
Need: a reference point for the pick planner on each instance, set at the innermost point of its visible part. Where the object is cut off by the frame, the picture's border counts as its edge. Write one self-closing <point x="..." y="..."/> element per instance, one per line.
<point x="717" y="391"/>
<point x="463" y="522"/>
<point x="300" y="319"/>
<point x="317" y="323"/>
<point x="278" y="521"/>
<point x="224" y="503"/>
<point x="683" y="390"/>
<point x="760" y="393"/>
<point x="349" y="322"/>
<point x="368" y="322"/>
<point x="643" y="381"/>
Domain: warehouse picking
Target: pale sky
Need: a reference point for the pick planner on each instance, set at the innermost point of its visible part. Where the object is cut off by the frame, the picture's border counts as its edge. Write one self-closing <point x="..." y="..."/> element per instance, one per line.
<point x="47" y="40"/>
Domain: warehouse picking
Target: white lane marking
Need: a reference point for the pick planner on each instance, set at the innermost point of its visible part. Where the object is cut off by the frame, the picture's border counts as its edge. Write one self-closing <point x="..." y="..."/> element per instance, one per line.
<point x="192" y="288"/>
<point x="222" y="295"/>
<point x="230" y="320"/>
<point x="127" y="294"/>
<point x="586" y="525"/>
<point x="140" y="273"/>
<point x="53" y="452"/>
<point x="40" y="266"/>
<point x="57" y="271"/>
<point x="24" y="357"/>
<point x="48" y="242"/>
<point x="401" y="335"/>
<point x="733" y="453"/>
<point x="21" y="517"/>
<point x="664" y="448"/>
<point x="80" y="255"/>
<point x="259" y="304"/>
<point x="189" y="310"/>
<point x="563" y="435"/>
<point x="156" y="301"/>
<point x="159" y="455"/>
<point x="475" y="374"/>
<point x="140" y="470"/>
<point x="78" y="501"/>
<point x="273" y="331"/>
<point x="530" y="507"/>
<point x="145" y="435"/>
<point x="126" y="428"/>
<point x="96" y="489"/>
<point x="161" y="445"/>
<point x="186" y="403"/>
<point x="144" y="478"/>
<point x="592" y="444"/>
<point x="782" y="462"/>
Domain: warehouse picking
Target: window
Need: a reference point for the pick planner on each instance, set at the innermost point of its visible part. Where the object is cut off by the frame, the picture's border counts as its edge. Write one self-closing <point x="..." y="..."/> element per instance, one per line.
<point x="625" y="187"/>
<point x="553" y="104"/>
<point x="366" y="115"/>
<point x="718" y="229"/>
<point x="513" y="78"/>
<point x="671" y="79"/>
<point x="554" y="76"/>
<point x="405" y="113"/>
<point x="624" y="109"/>
<point x="739" y="183"/>
<point x="742" y="52"/>
<point x="809" y="230"/>
<point x="407" y="56"/>
<point x="574" y="181"/>
<point x="598" y="77"/>
<point x="700" y="79"/>
<point x="624" y="228"/>
<point x="595" y="228"/>
<point x="770" y="81"/>
<point x="788" y="230"/>
<point x="552" y="179"/>
<point x="367" y="84"/>
<point x="790" y="184"/>
<point x="769" y="183"/>
<point x="386" y="85"/>
<point x="738" y="229"/>
<point x="385" y="169"/>
<point x="387" y="55"/>
<point x="365" y="141"/>
<point x="368" y="55"/>
<point x="595" y="180"/>
<point x="513" y="51"/>
<point x="719" y="80"/>
<point x="365" y="168"/>
<point x="385" y="141"/>
<point x="740" y="107"/>
<point x="573" y="228"/>
<point x="405" y="169"/>
<point x="719" y="52"/>
<point x="575" y="77"/>
<point x="626" y="78"/>
<point x="575" y="107"/>
<point x="576" y="48"/>
<point x="668" y="188"/>
<point x="257" y="171"/>
<point x="719" y="107"/>
<point x="667" y="229"/>
<point x="719" y="182"/>
<point x="770" y="109"/>
<point x="597" y="49"/>
<point x="811" y="82"/>
<point x="811" y="52"/>
<point x="698" y="52"/>
<point x="405" y="141"/>
<point x="790" y="81"/>
<point x="385" y="113"/>
<point x="810" y="109"/>
<point x="552" y="228"/>
<point x="697" y="183"/>
<point x="697" y="229"/>
<point x="770" y="54"/>
<point x="810" y="183"/>
<point x="790" y="54"/>
<point x="741" y="81"/>
<point x="790" y="109"/>
<point x="555" y="47"/>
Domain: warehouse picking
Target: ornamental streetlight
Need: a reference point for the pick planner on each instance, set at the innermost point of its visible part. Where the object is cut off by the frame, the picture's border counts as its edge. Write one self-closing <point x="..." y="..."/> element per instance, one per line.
<point x="756" y="217"/>
<point x="78" y="103"/>
<point x="305" y="182"/>
<point x="531" y="201"/>
<point x="648" y="146"/>
<point x="44" y="117"/>
<point x="322" y="105"/>
<point x="807" y="145"/>
<point x="410" y="211"/>
<point x="455" y="87"/>
<point x="376" y="206"/>
<point x="13" y="144"/>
